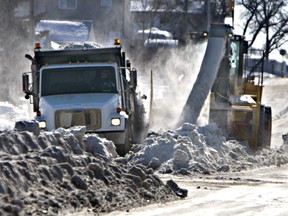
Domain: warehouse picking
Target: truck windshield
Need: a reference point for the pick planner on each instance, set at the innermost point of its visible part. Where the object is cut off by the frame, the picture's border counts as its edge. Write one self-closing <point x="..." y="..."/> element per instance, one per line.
<point x="78" y="80"/>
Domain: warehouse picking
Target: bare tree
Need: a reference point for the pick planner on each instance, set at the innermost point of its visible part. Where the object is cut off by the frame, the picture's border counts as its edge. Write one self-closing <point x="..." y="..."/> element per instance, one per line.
<point x="146" y="16"/>
<point x="220" y="9"/>
<point x="268" y="17"/>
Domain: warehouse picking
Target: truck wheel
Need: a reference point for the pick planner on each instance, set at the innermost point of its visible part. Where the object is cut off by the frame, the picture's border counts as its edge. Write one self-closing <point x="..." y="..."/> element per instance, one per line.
<point x="123" y="149"/>
<point x="265" y="127"/>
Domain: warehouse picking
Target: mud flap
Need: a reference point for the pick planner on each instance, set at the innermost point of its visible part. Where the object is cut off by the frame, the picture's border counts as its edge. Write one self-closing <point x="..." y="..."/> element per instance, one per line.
<point x="123" y="148"/>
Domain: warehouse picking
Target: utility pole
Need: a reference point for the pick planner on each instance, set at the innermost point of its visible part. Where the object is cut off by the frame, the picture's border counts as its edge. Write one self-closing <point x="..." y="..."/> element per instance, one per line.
<point x="208" y="14"/>
<point x="186" y="17"/>
<point x="32" y="22"/>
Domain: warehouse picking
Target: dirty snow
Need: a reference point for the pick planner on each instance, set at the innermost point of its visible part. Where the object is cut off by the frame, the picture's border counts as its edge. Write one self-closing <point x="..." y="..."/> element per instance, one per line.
<point x="48" y="172"/>
<point x="204" y="149"/>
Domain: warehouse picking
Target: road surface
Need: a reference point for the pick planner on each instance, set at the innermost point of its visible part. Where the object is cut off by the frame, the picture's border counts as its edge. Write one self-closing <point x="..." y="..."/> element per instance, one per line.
<point x="256" y="192"/>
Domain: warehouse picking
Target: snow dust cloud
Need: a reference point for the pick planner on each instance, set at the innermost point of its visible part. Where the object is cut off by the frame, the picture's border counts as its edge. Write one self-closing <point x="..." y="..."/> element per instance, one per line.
<point x="174" y="71"/>
<point x="204" y="82"/>
<point x="14" y="44"/>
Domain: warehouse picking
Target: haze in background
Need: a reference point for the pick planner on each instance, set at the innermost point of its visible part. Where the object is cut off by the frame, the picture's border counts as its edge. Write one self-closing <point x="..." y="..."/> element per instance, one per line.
<point x="15" y="42"/>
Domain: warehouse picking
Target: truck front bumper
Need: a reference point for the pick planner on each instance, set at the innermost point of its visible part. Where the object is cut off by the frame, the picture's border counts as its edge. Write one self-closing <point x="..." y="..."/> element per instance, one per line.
<point x="117" y="137"/>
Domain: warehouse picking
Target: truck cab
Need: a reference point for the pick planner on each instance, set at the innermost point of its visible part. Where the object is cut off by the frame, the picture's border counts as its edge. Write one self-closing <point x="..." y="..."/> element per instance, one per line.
<point x="88" y="86"/>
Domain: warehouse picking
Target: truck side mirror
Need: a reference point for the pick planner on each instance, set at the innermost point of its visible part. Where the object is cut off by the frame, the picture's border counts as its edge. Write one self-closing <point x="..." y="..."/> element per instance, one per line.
<point x="25" y="82"/>
<point x="133" y="78"/>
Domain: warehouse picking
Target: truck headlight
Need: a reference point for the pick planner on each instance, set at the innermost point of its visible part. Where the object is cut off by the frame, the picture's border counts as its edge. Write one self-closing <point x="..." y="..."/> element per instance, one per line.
<point x="115" y="121"/>
<point x="42" y="124"/>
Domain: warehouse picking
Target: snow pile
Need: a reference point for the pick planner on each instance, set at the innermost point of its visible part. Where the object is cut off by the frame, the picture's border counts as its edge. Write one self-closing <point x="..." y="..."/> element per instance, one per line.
<point x="49" y="172"/>
<point x="203" y="149"/>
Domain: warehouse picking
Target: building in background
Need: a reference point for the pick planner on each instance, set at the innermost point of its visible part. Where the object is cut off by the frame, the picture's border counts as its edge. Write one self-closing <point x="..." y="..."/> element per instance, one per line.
<point x="123" y="18"/>
<point x="177" y="17"/>
<point x="109" y="18"/>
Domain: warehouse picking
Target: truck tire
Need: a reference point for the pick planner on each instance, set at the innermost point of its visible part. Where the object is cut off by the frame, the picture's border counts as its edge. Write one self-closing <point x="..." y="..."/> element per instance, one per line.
<point x="265" y="127"/>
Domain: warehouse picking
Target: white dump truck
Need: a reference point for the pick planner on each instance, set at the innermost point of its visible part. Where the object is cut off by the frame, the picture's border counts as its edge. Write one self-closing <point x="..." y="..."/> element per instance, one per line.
<point x="88" y="85"/>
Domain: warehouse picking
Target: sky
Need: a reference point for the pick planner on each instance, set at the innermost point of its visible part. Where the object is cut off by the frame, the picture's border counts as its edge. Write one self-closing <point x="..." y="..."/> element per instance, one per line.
<point x="259" y="43"/>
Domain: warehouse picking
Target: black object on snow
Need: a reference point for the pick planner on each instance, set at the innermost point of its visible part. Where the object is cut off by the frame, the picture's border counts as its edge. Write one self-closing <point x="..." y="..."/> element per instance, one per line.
<point x="176" y="189"/>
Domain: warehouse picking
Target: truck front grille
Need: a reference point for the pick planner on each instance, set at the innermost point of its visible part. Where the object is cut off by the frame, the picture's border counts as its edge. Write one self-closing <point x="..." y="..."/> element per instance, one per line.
<point x="91" y="118"/>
